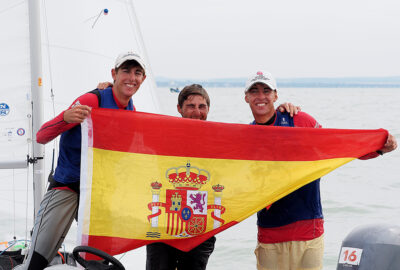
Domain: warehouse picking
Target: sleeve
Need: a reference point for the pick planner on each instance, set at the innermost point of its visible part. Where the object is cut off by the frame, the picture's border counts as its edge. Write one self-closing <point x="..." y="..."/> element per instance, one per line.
<point x="51" y="129"/>
<point x="303" y="119"/>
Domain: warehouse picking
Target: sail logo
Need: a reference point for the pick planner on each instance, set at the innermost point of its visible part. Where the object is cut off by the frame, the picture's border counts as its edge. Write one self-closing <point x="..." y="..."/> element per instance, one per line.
<point x="76" y="104"/>
<point x="4" y="109"/>
<point x="21" y="132"/>
<point x="186" y="206"/>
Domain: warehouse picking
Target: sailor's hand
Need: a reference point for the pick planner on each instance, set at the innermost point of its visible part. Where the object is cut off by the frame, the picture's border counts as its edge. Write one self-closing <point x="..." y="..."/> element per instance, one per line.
<point x="104" y="85"/>
<point x="290" y="108"/>
<point x="390" y="145"/>
<point x="77" y="114"/>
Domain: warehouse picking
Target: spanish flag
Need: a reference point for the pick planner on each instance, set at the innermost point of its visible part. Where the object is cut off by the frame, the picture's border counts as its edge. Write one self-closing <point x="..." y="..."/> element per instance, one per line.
<point x="148" y="177"/>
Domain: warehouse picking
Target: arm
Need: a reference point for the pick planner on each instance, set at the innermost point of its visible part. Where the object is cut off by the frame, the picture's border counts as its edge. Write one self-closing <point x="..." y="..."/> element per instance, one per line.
<point x="104" y="85"/>
<point x="389" y="146"/>
<point x="68" y="119"/>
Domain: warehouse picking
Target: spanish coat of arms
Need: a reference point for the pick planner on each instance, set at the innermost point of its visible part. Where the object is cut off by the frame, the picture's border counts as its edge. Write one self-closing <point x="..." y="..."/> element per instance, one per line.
<point x="186" y="205"/>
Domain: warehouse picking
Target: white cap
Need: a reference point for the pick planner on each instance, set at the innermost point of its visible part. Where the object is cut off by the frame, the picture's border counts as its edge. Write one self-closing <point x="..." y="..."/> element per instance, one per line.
<point x="261" y="77"/>
<point x="123" y="57"/>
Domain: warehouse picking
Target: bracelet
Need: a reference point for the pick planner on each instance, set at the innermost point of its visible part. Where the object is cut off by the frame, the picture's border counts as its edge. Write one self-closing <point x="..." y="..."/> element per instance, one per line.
<point x="379" y="152"/>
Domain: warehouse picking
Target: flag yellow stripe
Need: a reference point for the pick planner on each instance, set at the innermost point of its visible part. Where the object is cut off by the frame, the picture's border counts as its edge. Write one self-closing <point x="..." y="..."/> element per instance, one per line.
<point x="245" y="182"/>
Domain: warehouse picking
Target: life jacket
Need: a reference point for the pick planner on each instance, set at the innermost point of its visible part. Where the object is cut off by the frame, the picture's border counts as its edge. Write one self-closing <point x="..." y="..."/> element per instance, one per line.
<point x="69" y="158"/>
<point x="302" y="204"/>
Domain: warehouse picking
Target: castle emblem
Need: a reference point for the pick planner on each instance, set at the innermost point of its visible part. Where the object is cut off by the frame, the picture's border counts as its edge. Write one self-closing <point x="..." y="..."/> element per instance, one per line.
<point x="186" y="205"/>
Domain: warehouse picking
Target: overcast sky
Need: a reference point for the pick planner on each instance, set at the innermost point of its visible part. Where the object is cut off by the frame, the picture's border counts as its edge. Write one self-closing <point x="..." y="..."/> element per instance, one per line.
<point x="290" y="38"/>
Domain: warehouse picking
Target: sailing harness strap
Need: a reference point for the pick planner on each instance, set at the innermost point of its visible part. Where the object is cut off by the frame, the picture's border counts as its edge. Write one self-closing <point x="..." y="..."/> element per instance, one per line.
<point x="50" y="179"/>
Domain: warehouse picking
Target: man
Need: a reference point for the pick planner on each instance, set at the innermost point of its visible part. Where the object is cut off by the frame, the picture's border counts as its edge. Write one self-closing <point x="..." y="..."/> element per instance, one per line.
<point x="290" y="231"/>
<point x="59" y="205"/>
<point x="194" y="103"/>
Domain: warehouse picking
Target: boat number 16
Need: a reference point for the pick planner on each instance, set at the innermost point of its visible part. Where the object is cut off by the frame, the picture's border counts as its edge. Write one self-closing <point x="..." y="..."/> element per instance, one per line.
<point x="350" y="255"/>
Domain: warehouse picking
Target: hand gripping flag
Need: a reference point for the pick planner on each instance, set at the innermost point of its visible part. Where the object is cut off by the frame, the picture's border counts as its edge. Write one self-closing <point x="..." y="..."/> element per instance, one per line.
<point x="148" y="177"/>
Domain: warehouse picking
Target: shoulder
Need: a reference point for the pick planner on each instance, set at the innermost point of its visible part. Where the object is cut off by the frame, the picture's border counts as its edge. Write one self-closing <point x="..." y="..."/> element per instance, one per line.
<point x="89" y="99"/>
<point x="302" y="119"/>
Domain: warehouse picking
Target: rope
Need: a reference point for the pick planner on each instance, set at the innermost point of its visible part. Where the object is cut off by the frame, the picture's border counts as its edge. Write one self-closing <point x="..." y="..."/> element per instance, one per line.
<point x="55" y="142"/>
<point x="46" y="31"/>
<point x="123" y="255"/>
<point x="62" y="257"/>
<point x="26" y="209"/>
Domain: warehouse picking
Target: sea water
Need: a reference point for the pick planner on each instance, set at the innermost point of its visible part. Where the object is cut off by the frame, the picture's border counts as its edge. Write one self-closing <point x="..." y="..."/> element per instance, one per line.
<point x="358" y="193"/>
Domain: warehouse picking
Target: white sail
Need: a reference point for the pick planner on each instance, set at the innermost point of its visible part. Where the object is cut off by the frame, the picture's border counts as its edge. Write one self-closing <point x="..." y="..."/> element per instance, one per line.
<point x="79" y="43"/>
<point x="15" y="88"/>
<point x="84" y="43"/>
<point x="20" y="116"/>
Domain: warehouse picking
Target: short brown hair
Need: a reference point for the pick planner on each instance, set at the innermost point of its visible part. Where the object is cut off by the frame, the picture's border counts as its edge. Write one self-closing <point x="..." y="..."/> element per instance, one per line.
<point x="193" y="89"/>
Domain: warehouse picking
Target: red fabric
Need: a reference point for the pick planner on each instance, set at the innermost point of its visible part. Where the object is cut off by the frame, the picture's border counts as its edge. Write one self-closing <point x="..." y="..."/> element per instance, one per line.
<point x="64" y="188"/>
<point x="302" y="230"/>
<point x="198" y="133"/>
<point x="172" y="136"/>
<point x="51" y="129"/>
<point x="303" y="119"/>
<point x="117" y="245"/>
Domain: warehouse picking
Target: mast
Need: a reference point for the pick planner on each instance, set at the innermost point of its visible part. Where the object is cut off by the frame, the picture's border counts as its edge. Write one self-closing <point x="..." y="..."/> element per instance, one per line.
<point x="37" y="101"/>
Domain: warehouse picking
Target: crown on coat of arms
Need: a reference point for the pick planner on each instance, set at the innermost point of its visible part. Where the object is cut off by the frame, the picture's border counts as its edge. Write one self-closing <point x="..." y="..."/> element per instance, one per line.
<point x="156" y="185"/>
<point x="218" y="188"/>
<point x="187" y="177"/>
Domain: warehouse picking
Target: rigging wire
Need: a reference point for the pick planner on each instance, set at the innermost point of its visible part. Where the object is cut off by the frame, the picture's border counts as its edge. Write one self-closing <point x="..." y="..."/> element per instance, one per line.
<point x="46" y="31"/>
<point x="140" y="43"/>
<point x="30" y="153"/>
<point x="103" y="11"/>
<point x="13" y="6"/>
<point x="51" y="83"/>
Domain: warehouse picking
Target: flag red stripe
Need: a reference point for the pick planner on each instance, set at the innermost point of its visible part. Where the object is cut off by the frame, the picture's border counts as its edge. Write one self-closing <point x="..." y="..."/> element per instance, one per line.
<point x="176" y="224"/>
<point x="205" y="139"/>
<point x="173" y="223"/>
<point x="168" y="226"/>
<point x="117" y="245"/>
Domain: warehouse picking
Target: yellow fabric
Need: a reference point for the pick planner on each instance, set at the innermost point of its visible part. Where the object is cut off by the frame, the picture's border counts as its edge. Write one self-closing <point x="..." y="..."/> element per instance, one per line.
<point x="293" y="255"/>
<point x="121" y="188"/>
